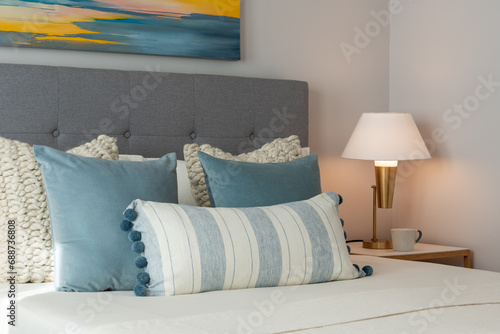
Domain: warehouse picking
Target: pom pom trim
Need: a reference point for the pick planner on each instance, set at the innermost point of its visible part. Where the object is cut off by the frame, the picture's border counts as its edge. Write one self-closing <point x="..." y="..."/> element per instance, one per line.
<point x="143" y="278"/>
<point x="130" y="214"/>
<point x="368" y="270"/>
<point x="140" y="290"/>
<point x="138" y="247"/>
<point x="126" y="225"/>
<point x="134" y="236"/>
<point x="141" y="262"/>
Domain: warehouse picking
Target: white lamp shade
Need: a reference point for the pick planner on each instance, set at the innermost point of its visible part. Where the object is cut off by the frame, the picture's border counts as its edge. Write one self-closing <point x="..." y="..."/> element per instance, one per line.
<point x="386" y="136"/>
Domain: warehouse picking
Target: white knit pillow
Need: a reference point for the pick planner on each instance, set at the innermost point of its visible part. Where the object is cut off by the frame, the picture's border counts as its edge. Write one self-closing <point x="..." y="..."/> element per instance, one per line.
<point x="22" y="199"/>
<point x="279" y="150"/>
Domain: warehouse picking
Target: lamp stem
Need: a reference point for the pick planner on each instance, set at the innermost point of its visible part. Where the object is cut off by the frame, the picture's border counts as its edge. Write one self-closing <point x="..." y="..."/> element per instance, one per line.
<point x="374" y="213"/>
<point x="374" y="243"/>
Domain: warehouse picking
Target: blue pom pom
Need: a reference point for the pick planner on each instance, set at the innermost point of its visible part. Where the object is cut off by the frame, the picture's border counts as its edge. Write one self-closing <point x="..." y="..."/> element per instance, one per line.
<point x="141" y="262"/>
<point x="134" y="236"/>
<point x="140" y="290"/>
<point x="368" y="270"/>
<point x="126" y="225"/>
<point x="348" y="249"/>
<point x="356" y="266"/>
<point x="130" y="214"/>
<point x="143" y="278"/>
<point x="345" y="235"/>
<point x="138" y="247"/>
<point x="341" y="200"/>
<point x="342" y="222"/>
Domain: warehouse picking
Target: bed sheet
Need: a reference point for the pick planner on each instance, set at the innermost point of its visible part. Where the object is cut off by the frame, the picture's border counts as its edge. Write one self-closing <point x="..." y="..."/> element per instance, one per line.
<point x="400" y="297"/>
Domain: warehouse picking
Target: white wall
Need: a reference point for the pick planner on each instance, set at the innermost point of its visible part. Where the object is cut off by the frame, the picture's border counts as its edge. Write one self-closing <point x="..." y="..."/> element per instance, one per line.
<point x="290" y="39"/>
<point x="439" y="49"/>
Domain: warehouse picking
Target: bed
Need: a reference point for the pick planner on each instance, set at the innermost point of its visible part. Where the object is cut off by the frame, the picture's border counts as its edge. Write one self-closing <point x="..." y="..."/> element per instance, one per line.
<point x="151" y="114"/>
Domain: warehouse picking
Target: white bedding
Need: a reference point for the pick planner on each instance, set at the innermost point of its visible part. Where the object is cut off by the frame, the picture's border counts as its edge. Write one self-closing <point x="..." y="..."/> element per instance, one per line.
<point x="400" y="297"/>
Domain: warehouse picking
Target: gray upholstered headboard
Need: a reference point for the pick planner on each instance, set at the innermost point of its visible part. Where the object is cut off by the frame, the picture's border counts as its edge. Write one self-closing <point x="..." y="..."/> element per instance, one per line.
<point x="151" y="113"/>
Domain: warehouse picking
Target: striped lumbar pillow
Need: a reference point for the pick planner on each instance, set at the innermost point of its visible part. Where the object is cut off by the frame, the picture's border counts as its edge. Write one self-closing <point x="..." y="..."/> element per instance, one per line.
<point x="186" y="249"/>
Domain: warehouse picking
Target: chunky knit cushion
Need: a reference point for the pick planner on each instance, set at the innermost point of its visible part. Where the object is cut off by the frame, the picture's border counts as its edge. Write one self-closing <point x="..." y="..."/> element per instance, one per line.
<point x="103" y="147"/>
<point x="279" y="150"/>
<point x="22" y="199"/>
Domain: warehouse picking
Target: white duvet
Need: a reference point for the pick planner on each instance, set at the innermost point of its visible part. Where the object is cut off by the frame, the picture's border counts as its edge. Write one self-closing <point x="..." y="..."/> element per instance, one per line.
<point x="400" y="297"/>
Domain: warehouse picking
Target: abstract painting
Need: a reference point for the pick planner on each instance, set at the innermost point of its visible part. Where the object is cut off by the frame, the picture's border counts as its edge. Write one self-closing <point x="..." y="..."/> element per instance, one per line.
<point x="191" y="28"/>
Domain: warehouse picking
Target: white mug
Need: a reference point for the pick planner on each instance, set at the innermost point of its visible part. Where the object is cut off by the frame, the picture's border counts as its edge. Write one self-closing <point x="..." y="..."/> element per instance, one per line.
<point x="403" y="239"/>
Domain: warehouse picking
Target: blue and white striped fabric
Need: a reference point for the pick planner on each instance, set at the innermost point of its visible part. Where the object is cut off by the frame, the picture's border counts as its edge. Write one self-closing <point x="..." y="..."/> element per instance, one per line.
<point x="192" y="249"/>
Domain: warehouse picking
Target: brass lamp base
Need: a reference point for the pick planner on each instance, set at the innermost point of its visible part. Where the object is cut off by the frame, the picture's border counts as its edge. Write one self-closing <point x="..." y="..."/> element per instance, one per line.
<point x="377" y="244"/>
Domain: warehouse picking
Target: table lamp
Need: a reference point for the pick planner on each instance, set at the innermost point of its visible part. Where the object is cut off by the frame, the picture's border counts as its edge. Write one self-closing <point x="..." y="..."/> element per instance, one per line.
<point x="385" y="138"/>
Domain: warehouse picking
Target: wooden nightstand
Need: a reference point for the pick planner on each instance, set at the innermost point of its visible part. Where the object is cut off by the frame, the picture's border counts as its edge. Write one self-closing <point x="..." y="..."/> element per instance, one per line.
<point x="420" y="252"/>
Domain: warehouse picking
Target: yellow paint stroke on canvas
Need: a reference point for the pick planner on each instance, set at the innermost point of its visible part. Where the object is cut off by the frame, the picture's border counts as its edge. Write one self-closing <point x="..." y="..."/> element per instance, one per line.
<point x="75" y="39"/>
<point x="53" y="21"/>
<point x="43" y="28"/>
<point x="209" y="7"/>
<point x="56" y="14"/>
<point x="214" y="7"/>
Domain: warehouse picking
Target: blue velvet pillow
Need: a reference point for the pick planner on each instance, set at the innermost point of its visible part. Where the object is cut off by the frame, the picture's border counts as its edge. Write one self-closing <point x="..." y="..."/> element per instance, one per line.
<point x="86" y="197"/>
<point x="246" y="184"/>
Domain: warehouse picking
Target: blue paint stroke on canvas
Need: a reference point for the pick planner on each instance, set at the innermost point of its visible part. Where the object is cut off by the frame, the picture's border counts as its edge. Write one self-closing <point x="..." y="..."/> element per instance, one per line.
<point x="193" y="28"/>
